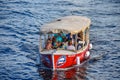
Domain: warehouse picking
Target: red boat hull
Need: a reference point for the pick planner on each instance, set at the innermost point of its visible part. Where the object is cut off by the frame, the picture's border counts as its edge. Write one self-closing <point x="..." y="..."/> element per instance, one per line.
<point x="63" y="61"/>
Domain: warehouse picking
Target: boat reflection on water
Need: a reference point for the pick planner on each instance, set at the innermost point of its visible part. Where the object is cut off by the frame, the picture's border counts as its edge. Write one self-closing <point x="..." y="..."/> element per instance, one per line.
<point x="76" y="73"/>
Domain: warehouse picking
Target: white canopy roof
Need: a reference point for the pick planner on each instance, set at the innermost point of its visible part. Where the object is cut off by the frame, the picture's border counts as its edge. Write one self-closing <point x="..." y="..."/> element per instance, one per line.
<point x="72" y="24"/>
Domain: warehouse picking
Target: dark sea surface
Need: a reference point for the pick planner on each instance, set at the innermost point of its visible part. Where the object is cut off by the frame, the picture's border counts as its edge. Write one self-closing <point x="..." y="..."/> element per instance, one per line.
<point x="20" y="21"/>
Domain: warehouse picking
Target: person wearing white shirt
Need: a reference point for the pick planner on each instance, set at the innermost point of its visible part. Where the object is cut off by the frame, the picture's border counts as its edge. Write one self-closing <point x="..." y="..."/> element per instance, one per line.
<point x="70" y="46"/>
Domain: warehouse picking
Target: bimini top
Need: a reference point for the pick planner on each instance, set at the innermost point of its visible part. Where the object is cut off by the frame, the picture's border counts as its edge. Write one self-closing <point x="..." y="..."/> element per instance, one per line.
<point x="69" y="24"/>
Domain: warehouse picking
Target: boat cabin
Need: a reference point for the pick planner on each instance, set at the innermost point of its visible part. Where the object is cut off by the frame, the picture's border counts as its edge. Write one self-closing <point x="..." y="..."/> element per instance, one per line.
<point x="66" y="35"/>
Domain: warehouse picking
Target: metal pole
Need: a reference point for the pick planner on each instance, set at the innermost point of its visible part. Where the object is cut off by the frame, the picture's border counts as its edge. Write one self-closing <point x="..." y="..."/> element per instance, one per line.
<point x="76" y="41"/>
<point x="83" y="39"/>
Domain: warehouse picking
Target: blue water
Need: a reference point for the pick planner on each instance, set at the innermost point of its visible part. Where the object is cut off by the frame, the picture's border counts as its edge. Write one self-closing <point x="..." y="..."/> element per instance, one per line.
<point x="20" y="21"/>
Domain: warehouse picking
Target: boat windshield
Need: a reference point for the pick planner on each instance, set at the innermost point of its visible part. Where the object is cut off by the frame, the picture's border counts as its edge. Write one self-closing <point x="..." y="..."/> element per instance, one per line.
<point x="65" y="41"/>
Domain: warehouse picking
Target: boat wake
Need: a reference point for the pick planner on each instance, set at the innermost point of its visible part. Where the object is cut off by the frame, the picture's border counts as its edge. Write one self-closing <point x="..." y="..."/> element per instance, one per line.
<point x="95" y="58"/>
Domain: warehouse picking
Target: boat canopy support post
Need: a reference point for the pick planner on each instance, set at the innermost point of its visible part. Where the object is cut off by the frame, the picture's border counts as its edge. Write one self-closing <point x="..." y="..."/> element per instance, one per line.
<point x="83" y="40"/>
<point x="76" y="42"/>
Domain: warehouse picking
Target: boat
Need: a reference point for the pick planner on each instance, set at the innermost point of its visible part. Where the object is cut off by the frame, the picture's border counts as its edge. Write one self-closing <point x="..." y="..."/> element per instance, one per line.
<point x="75" y="30"/>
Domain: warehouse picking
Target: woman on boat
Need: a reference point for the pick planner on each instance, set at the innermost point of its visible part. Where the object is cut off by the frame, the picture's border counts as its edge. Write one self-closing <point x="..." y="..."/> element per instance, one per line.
<point x="48" y="44"/>
<point x="59" y="39"/>
<point x="54" y="43"/>
<point x="70" y="46"/>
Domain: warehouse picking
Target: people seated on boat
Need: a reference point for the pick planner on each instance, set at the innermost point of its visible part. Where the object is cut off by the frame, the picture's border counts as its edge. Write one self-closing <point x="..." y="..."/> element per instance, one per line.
<point x="71" y="37"/>
<point x="63" y="35"/>
<point x="59" y="44"/>
<point x="48" y="44"/>
<point x="70" y="45"/>
<point x="54" y="43"/>
<point x="59" y="38"/>
<point x="64" y="43"/>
